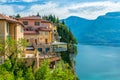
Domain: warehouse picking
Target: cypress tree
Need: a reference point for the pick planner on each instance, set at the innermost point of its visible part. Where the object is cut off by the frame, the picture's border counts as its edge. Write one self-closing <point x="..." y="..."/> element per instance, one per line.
<point x="17" y="16"/>
<point x="38" y="14"/>
<point x="63" y="22"/>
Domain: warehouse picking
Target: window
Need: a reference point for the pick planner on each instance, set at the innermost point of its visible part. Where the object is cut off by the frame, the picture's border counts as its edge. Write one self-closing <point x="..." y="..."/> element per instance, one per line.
<point x="55" y="31"/>
<point x="42" y="24"/>
<point x="7" y="28"/>
<point x="37" y="23"/>
<point x="46" y="33"/>
<point x="21" y="29"/>
<point x="27" y="40"/>
<point x="36" y="41"/>
<point x="30" y="29"/>
<point x="47" y="49"/>
<point x="46" y="41"/>
<point x="40" y="33"/>
<point x="40" y="49"/>
<point x="25" y="22"/>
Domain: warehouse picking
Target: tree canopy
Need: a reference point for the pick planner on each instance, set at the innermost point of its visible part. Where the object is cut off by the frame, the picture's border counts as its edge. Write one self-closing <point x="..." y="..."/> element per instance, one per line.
<point x="17" y="16"/>
<point x="66" y="36"/>
<point x="12" y="69"/>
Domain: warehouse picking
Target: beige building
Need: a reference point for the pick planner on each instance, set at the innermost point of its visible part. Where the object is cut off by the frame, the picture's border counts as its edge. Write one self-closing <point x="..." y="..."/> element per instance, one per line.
<point x="10" y="28"/>
<point x="43" y="40"/>
<point x="38" y="33"/>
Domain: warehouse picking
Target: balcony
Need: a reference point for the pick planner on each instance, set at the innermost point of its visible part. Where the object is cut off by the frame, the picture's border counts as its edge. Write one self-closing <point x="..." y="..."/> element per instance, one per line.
<point x="50" y="57"/>
<point x="59" y="46"/>
<point x="30" y="52"/>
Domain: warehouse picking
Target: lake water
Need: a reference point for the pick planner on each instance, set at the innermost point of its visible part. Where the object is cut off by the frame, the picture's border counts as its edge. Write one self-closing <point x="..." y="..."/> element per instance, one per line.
<point x="98" y="62"/>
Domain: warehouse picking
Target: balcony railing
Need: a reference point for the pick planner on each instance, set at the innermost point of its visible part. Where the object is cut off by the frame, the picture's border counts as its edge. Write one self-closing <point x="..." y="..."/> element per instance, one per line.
<point x="42" y="56"/>
<point x="59" y="46"/>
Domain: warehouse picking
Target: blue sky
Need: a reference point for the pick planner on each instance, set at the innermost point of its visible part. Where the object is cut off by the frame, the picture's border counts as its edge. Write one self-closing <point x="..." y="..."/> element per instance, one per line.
<point x="89" y="9"/>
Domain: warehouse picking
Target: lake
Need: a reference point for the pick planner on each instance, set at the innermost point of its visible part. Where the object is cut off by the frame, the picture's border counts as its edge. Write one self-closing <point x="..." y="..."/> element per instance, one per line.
<point x="98" y="62"/>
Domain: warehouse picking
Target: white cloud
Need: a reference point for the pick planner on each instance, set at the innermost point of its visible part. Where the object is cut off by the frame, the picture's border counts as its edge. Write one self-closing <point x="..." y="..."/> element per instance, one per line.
<point x="29" y="0"/>
<point x="3" y="0"/>
<point x="11" y="9"/>
<point x="89" y="10"/>
<point x="20" y="7"/>
<point x="6" y="9"/>
<point x="46" y="9"/>
<point x="94" y="9"/>
<point x="18" y="0"/>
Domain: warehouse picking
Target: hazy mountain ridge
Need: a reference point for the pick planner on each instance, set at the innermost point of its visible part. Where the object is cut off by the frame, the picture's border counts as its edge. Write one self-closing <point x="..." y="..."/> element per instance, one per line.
<point x="105" y="30"/>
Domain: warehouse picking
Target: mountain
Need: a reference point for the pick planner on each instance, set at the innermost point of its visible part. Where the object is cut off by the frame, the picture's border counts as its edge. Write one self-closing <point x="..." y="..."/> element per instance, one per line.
<point x="105" y="30"/>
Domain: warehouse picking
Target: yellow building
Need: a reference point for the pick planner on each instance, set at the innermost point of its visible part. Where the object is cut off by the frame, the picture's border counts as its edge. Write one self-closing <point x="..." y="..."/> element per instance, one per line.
<point x="38" y="33"/>
<point x="10" y="28"/>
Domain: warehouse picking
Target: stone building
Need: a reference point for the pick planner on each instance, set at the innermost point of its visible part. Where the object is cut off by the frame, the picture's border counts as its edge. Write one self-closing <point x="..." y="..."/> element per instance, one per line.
<point x="10" y="28"/>
<point x="40" y="34"/>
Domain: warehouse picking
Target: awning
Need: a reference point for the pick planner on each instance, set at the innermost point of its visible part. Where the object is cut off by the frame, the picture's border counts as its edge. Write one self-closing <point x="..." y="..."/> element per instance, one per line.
<point x="59" y="43"/>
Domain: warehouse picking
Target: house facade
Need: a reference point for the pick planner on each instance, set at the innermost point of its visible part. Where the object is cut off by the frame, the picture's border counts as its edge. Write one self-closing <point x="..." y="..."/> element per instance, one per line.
<point x="10" y="28"/>
<point x="40" y="34"/>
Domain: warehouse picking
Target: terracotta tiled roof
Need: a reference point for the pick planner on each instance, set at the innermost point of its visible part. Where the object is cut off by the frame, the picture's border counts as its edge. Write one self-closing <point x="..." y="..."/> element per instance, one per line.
<point x="39" y="28"/>
<point x="30" y="17"/>
<point x="35" y="31"/>
<point x="30" y="32"/>
<point x="7" y="18"/>
<point x="54" y="59"/>
<point x="34" y="18"/>
<point x="44" y="29"/>
<point x="45" y="21"/>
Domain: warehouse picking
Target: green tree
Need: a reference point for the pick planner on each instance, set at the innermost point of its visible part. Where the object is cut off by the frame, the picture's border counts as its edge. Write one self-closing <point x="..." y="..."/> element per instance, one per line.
<point x="38" y="14"/>
<point x="19" y="75"/>
<point x="14" y="48"/>
<point x="63" y="22"/>
<point x="16" y="69"/>
<point x="29" y="74"/>
<point x="10" y="49"/>
<point x="43" y="73"/>
<point x="57" y="20"/>
<point x="7" y="65"/>
<point x="62" y="72"/>
<point x="66" y="36"/>
<point x="17" y="16"/>
<point x="4" y="74"/>
<point x="54" y="19"/>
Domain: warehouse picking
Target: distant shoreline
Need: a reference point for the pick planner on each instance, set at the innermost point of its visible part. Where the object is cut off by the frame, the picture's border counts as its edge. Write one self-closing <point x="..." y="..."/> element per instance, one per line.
<point x="102" y="44"/>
